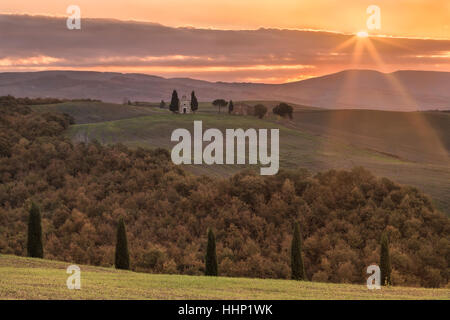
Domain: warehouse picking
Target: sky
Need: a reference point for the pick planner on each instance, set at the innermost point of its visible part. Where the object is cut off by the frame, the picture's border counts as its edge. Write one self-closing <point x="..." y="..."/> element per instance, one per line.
<point x="270" y="41"/>
<point x="419" y="18"/>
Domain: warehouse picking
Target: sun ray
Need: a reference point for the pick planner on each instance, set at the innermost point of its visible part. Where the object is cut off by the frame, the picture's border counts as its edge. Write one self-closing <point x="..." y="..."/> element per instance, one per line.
<point x="392" y="42"/>
<point x="345" y="44"/>
<point x="366" y="45"/>
<point x="419" y="122"/>
<point x="345" y="92"/>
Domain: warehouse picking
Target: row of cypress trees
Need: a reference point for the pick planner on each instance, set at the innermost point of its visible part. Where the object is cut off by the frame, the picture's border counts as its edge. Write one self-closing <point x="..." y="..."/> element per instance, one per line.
<point x="297" y="265"/>
<point x="122" y="257"/>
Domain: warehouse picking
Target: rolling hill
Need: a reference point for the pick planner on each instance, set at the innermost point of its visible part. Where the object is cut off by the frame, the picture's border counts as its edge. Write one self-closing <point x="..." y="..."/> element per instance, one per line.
<point x="387" y="143"/>
<point x="350" y="89"/>
<point x="83" y="189"/>
<point x="28" y="278"/>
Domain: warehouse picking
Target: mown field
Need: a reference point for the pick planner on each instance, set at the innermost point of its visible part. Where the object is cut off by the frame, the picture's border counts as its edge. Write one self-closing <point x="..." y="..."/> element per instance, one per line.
<point x="27" y="278"/>
<point x="410" y="148"/>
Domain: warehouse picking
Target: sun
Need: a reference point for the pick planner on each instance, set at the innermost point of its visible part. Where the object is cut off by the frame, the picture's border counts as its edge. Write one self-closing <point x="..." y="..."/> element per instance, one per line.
<point x="362" y="34"/>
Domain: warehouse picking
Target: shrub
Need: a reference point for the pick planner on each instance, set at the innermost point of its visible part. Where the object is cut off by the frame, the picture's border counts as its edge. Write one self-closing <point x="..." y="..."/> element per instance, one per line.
<point x="283" y="110"/>
<point x="260" y="110"/>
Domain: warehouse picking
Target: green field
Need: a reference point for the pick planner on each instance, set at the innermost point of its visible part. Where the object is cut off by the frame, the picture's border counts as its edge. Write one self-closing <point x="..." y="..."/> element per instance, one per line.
<point x="90" y="112"/>
<point x="411" y="148"/>
<point x="415" y="136"/>
<point x="27" y="278"/>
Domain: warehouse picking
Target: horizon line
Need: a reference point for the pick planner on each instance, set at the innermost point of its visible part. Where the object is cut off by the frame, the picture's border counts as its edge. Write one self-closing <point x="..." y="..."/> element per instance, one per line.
<point x="237" y="82"/>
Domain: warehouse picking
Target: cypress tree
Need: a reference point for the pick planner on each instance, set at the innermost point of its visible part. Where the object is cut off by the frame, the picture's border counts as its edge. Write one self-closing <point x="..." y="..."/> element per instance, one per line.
<point x="34" y="242"/>
<point x="194" y="102"/>
<point x="230" y="107"/>
<point x="385" y="261"/>
<point x="122" y="260"/>
<point x="297" y="267"/>
<point x="211" y="257"/>
<point x="175" y="102"/>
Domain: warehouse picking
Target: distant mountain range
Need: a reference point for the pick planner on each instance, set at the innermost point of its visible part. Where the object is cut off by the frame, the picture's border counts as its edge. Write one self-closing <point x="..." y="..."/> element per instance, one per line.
<point x="350" y="89"/>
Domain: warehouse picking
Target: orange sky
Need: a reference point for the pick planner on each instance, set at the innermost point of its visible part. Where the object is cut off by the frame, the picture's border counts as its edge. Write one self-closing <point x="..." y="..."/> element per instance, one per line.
<point x="418" y="18"/>
<point x="418" y="37"/>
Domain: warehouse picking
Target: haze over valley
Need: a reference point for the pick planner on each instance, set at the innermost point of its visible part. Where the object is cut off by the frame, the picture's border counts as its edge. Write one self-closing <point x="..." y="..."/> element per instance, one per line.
<point x="352" y="89"/>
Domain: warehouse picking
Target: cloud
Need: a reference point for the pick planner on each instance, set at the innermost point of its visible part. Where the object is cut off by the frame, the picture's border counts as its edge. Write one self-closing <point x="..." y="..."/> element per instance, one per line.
<point x="265" y="55"/>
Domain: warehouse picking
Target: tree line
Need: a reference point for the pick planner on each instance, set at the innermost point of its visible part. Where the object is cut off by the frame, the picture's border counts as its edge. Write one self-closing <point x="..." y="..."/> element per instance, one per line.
<point x="10" y="100"/>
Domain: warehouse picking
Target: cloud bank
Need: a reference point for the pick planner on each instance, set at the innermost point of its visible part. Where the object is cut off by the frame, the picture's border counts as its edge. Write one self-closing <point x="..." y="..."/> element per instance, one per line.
<point x="32" y="43"/>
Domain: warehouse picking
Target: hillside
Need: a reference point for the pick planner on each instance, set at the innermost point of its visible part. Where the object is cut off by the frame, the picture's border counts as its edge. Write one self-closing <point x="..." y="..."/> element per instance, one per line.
<point x="91" y="112"/>
<point x="351" y="89"/>
<point x="387" y="143"/>
<point x="83" y="189"/>
<point x="413" y="136"/>
<point x="27" y="278"/>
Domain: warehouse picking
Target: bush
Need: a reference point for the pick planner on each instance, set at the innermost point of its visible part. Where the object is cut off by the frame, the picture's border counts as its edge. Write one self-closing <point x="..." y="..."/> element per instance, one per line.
<point x="283" y="110"/>
<point x="260" y="110"/>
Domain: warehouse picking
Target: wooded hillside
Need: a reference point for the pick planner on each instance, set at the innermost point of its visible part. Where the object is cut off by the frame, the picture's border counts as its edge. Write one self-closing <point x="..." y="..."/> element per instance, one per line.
<point x="83" y="190"/>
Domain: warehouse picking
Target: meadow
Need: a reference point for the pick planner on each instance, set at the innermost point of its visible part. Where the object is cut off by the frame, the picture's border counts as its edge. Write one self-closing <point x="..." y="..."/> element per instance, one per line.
<point x="29" y="278"/>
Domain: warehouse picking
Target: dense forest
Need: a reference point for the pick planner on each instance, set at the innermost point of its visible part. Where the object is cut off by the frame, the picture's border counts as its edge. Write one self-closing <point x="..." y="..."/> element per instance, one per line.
<point x="84" y="189"/>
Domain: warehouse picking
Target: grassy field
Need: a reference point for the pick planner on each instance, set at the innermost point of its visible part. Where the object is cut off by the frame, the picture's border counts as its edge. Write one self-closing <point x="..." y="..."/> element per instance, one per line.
<point x="26" y="278"/>
<point x="91" y="112"/>
<point x="410" y="148"/>
<point x="416" y="136"/>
